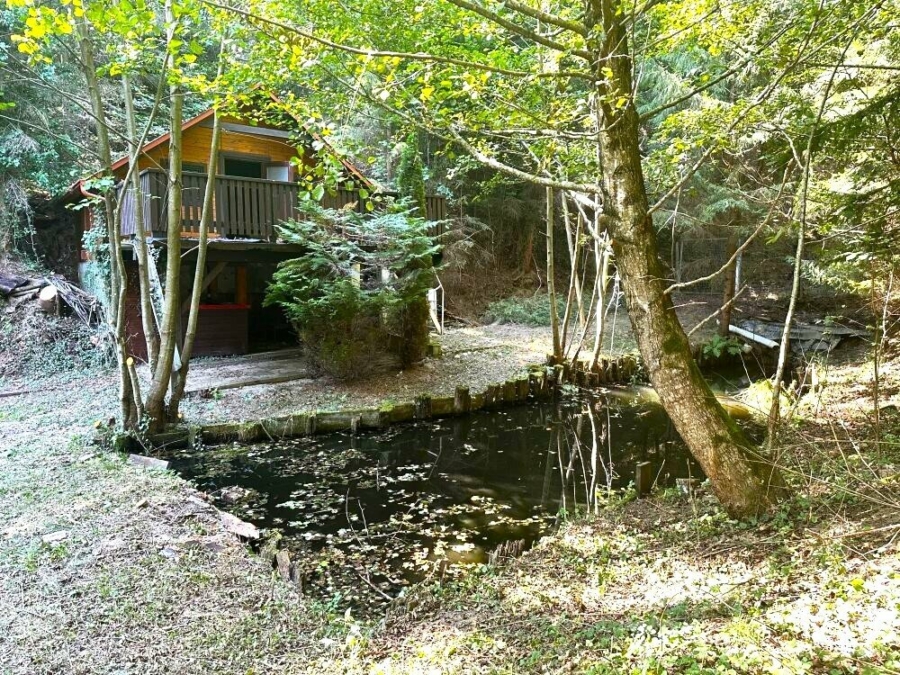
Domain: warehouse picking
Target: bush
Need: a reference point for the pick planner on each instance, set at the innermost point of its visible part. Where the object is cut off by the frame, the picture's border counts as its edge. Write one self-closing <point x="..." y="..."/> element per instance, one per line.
<point x="533" y="310"/>
<point x="352" y="319"/>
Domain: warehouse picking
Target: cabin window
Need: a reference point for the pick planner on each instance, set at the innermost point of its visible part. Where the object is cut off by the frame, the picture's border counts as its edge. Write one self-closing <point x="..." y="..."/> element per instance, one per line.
<point x="279" y="171"/>
<point x="245" y="168"/>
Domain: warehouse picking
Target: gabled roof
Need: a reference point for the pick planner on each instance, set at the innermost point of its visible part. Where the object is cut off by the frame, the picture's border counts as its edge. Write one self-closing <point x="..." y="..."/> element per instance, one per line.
<point x="194" y="121"/>
<point x="76" y="187"/>
<point x="160" y="140"/>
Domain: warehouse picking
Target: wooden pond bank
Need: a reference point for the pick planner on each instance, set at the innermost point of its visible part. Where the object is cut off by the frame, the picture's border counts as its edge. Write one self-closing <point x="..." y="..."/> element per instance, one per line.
<point x="539" y="382"/>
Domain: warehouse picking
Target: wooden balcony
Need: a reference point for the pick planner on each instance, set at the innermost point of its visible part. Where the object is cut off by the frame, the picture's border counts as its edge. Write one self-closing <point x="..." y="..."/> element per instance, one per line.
<point x="244" y="208"/>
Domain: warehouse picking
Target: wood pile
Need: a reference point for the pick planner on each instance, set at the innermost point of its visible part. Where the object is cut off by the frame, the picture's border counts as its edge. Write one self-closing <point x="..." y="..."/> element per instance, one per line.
<point x="49" y="293"/>
<point x="18" y="289"/>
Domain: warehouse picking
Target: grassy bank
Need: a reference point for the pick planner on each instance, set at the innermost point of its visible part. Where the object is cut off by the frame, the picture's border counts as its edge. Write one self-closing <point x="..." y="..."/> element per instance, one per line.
<point x="110" y="568"/>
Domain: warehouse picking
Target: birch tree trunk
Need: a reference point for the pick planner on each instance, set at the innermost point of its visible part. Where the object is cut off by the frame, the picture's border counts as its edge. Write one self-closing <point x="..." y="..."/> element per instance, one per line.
<point x="744" y="483"/>
<point x="148" y="322"/>
<point x="168" y="330"/>
<point x="179" y="376"/>
<point x="115" y="309"/>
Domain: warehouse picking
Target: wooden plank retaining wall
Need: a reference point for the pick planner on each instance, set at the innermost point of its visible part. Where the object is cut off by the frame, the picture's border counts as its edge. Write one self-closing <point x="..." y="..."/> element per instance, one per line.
<point x="538" y="383"/>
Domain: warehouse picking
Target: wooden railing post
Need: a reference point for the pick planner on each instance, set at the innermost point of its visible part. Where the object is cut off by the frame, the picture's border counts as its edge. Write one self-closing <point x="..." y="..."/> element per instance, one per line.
<point x="243" y="207"/>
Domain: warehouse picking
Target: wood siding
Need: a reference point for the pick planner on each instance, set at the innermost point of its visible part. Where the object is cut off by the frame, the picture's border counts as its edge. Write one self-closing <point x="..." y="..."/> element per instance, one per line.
<point x="197" y="140"/>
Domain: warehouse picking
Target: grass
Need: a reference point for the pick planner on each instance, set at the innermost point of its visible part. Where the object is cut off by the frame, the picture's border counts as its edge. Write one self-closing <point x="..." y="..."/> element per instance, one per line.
<point x="146" y="581"/>
<point x="656" y="587"/>
<point x="532" y="310"/>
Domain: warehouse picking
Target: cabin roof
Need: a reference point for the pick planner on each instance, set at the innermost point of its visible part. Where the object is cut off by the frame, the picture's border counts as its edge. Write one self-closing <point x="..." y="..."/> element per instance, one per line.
<point x="76" y="189"/>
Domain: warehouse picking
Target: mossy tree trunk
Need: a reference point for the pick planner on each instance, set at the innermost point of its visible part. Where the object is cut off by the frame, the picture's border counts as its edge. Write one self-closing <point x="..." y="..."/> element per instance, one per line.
<point x="740" y="478"/>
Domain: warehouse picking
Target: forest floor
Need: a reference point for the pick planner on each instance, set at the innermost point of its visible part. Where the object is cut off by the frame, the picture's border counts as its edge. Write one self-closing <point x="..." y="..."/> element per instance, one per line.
<point x="106" y="567"/>
<point x="473" y="355"/>
<point x="110" y="568"/>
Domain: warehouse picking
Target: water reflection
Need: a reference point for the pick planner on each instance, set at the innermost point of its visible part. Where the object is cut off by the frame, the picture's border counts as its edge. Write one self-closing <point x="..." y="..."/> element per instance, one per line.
<point x="367" y="515"/>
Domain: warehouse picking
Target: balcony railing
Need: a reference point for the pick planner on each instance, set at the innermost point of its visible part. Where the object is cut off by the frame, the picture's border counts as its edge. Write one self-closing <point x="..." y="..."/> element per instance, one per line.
<point x="244" y="208"/>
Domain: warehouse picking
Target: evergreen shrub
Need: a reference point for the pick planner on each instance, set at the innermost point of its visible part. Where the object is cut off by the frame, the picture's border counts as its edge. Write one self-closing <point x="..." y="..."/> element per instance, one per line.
<point x="355" y="295"/>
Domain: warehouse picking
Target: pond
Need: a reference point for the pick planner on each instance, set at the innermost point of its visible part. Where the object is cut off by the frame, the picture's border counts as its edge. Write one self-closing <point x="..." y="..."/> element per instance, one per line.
<point x="365" y="516"/>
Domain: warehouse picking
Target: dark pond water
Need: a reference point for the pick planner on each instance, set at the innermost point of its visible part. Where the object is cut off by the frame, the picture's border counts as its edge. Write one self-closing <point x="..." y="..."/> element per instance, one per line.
<point x="367" y="515"/>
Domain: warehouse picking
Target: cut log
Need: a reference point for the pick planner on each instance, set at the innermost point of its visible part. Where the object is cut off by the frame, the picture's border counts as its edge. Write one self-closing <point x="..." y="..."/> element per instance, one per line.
<point x="26" y="290"/>
<point x="48" y="300"/>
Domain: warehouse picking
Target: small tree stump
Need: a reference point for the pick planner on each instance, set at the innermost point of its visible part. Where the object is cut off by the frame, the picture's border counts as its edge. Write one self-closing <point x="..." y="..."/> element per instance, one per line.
<point x="283" y="565"/>
<point x="643" y="478"/>
<point x="48" y="300"/>
<point x="522" y="388"/>
<point x="462" y="403"/>
<point x="509" y="391"/>
<point x="559" y="373"/>
<point x="423" y="407"/>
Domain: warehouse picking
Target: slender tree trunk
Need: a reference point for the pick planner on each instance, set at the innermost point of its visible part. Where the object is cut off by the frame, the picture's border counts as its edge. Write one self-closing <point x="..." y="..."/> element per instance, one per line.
<point x="180" y="375"/>
<point x="551" y="274"/>
<point x="728" y="286"/>
<point x="574" y="244"/>
<point x="740" y="478"/>
<point x="601" y="259"/>
<point x="148" y="322"/>
<point x="775" y="409"/>
<point x="528" y="252"/>
<point x="155" y="403"/>
<point x="115" y="309"/>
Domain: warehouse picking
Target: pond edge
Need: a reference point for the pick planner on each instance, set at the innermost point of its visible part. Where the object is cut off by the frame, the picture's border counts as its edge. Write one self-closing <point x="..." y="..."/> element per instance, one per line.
<point x="538" y="382"/>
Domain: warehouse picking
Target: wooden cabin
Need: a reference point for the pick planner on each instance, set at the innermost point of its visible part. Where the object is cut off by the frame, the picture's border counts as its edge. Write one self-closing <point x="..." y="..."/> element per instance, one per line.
<point x="255" y="190"/>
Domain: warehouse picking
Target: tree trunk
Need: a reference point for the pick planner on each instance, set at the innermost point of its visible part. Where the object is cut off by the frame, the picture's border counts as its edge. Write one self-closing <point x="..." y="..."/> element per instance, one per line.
<point x="743" y="482"/>
<point x="179" y="377"/>
<point x="148" y="322"/>
<point x="528" y="252"/>
<point x="551" y="277"/>
<point x="728" y="287"/>
<point x="574" y="296"/>
<point x="115" y="306"/>
<point x="168" y="330"/>
<point x="601" y="261"/>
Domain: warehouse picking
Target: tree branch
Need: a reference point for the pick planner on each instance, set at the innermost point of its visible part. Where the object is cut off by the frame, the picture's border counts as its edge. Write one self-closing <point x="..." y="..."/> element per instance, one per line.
<point x="546" y="17"/>
<point x="520" y="30"/>
<point x="380" y="54"/>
